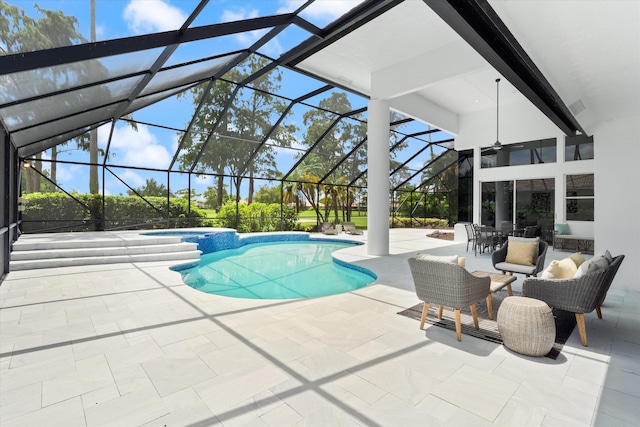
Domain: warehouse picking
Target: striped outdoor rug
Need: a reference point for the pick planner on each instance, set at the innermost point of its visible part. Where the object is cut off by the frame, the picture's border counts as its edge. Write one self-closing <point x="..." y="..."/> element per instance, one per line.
<point x="565" y="322"/>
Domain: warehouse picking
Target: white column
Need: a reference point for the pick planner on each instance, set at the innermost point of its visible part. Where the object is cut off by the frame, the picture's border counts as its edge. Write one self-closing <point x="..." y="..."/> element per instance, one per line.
<point x="378" y="178"/>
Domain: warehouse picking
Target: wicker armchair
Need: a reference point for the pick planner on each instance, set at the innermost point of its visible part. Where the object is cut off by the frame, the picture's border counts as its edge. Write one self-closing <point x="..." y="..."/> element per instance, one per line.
<point x="579" y="296"/>
<point x="499" y="256"/>
<point x="448" y="285"/>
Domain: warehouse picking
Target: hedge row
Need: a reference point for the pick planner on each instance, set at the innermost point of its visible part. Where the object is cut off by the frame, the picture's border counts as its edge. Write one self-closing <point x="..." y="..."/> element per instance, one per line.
<point x="83" y="212"/>
<point x="402" y="222"/>
<point x="258" y="217"/>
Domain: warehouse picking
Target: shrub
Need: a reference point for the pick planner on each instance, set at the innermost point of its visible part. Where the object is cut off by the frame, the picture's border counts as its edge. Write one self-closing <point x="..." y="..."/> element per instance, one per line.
<point x="418" y="222"/>
<point x="83" y="212"/>
<point x="258" y="217"/>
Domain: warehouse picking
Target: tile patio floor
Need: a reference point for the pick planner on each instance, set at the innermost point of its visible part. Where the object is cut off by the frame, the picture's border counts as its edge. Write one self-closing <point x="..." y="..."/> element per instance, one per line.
<point x="131" y="345"/>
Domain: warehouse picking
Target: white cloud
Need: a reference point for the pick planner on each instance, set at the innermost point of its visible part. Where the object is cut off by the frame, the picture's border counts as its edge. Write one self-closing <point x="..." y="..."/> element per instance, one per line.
<point x="206" y="180"/>
<point x="67" y="173"/>
<point x="248" y="37"/>
<point x="145" y="16"/>
<point x="132" y="178"/>
<point x="135" y="148"/>
<point x="322" y="11"/>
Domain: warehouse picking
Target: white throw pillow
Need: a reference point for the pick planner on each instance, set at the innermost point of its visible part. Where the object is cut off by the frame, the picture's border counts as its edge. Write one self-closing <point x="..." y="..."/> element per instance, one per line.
<point x="563" y="269"/>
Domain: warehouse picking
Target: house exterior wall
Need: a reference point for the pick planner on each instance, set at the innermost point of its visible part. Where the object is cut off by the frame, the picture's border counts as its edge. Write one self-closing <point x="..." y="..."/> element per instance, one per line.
<point x="617" y="183"/>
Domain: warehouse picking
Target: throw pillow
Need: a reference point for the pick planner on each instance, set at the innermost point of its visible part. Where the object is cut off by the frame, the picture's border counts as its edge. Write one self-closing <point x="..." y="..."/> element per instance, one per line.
<point x="596" y="263"/>
<point x="535" y="240"/>
<point x="448" y="259"/>
<point x="562" y="228"/>
<point x="563" y="269"/>
<point x="520" y="253"/>
<point x="577" y="258"/>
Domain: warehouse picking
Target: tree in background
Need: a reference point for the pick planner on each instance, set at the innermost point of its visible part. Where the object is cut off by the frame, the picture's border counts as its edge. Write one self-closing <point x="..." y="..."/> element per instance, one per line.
<point x="184" y="193"/>
<point x="266" y="194"/>
<point x="20" y="33"/>
<point x="150" y="188"/>
<point x="240" y="118"/>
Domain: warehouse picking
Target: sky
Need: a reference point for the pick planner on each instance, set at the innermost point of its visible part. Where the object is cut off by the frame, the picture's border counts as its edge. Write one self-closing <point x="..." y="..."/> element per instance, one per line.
<point x="151" y="147"/>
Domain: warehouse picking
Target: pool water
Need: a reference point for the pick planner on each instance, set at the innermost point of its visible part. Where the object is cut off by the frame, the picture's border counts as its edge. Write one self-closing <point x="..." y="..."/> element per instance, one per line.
<point x="276" y="270"/>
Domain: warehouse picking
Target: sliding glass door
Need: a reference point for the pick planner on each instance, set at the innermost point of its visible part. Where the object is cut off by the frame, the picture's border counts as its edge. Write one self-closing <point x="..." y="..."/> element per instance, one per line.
<point x="527" y="204"/>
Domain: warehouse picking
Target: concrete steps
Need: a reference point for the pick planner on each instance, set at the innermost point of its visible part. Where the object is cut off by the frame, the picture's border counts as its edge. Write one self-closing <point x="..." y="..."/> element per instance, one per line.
<point x="72" y="249"/>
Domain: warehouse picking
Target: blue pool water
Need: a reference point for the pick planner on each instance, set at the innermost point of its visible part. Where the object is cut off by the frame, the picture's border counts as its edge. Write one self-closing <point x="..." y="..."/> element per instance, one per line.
<point x="277" y="270"/>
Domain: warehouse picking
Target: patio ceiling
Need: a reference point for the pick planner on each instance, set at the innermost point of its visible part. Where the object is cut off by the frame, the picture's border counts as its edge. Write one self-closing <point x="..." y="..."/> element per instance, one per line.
<point x="585" y="54"/>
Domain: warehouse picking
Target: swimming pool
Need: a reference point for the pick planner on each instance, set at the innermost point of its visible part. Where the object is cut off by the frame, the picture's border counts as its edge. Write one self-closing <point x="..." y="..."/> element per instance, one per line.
<point x="277" y="270"/>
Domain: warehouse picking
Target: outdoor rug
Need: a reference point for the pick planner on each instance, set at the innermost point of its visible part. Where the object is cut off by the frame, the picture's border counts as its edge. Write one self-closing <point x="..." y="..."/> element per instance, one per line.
<point x="565" y="322"/>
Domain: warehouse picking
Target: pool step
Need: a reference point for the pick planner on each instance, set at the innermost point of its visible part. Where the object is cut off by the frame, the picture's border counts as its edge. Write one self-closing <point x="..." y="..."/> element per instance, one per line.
<point x="72" y="249"/>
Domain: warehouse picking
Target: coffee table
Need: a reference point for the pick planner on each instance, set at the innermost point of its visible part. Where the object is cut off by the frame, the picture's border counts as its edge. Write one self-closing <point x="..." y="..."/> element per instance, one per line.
<point x="498" y="282"/>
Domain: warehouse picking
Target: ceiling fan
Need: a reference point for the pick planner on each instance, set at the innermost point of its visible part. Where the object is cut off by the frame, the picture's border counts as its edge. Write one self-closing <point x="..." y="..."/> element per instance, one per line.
<point x="497" y="146"/>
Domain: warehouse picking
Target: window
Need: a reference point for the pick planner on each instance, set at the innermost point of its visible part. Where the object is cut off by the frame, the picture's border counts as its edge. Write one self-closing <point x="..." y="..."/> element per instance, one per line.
<point x="524" y="153"/>
<point x="579" y="197"/>
<point x="578" y="148"/>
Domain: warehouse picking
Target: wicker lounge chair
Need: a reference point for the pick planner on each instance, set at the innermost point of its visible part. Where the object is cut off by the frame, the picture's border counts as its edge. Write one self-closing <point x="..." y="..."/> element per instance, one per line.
<point x="449" y="285"/>
<point x="328" y="228"/>
<point x="577" y="295"/>
<point x="350" y="228"/>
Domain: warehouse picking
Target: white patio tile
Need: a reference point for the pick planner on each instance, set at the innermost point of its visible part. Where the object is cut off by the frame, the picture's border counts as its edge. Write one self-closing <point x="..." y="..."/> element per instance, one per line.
<point x="197" y="415"/>
<point x="520" y="412"/>
<point x="140" y="351"/>
<point x="224" y="391"/>
<point x="328" y="361"/>
<point x="437" y="408"/>
<point x="100" y="395"/>
<point x="605" y="420"/>
<point x="68" y="413"/>
<point x="393" y="411"/>
<point x="400" y="379"/>
<point x="136" y="408"/>
<point x="87" y="375"/>
<point x="20" y="401"/>
<point x="360" y="388"/>
<point x="330" y="416"/>
<point x="620" y="405"/>
<point x="477" y="392"/>
<point x="561" y="400"/>
<point x="282" y="416"/>
<point x="170" y="374"/>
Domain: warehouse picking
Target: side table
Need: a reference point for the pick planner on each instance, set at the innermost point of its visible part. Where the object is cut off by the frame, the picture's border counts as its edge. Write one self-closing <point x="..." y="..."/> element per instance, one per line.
<point x="498" y="282"/>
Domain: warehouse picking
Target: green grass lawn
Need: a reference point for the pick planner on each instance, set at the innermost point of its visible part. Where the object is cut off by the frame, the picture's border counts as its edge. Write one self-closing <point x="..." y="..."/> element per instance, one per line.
<point x="309" y="215"/>
<point x="359" y="219"/>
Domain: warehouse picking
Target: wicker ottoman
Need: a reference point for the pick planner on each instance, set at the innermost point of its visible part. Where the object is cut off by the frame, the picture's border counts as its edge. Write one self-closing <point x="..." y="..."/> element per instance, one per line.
<point x="526" y="325"/>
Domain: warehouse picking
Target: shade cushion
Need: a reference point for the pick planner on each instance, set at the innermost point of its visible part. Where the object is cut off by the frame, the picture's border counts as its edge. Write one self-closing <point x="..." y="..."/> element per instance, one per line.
<point x="520" y="252"/>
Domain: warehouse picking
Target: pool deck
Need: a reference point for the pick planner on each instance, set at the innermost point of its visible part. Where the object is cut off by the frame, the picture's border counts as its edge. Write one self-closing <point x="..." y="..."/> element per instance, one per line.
<point x="131" y="345"/>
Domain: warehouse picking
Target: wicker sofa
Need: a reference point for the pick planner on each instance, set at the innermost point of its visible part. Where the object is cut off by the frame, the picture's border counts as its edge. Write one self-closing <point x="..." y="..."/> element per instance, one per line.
<point x="578" y="295"/>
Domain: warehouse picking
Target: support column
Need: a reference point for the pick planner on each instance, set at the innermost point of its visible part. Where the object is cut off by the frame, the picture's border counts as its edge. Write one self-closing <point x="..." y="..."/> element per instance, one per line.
<point x="378" y="178"/>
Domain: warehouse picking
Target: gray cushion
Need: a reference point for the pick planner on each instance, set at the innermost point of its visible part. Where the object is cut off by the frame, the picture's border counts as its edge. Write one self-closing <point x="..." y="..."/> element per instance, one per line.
<point x="447" y="259"/>
<point x="516" y="268"/>
<point x="598" y="262"/>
